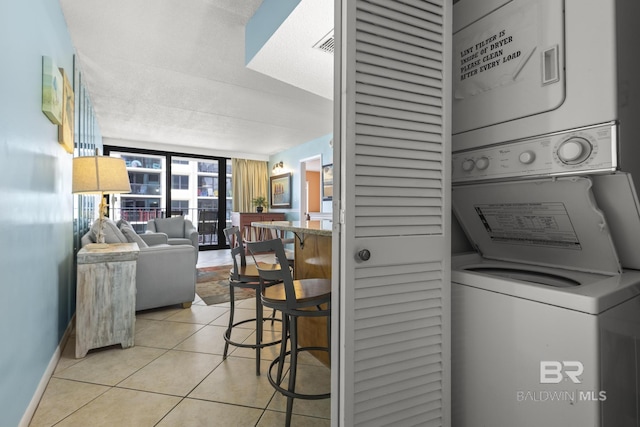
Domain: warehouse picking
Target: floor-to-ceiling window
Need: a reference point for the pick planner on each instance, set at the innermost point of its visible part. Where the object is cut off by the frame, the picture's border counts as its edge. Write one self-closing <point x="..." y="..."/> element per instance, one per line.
<point x="165" y="184"/>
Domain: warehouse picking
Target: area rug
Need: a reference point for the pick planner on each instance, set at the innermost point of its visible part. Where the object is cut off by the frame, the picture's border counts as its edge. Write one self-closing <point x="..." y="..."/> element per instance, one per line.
<point x="212" y="285"/>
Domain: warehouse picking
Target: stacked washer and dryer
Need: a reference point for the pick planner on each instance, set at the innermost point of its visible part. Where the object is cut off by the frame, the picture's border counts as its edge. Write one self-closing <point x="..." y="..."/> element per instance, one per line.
<point x="546" y="150"/>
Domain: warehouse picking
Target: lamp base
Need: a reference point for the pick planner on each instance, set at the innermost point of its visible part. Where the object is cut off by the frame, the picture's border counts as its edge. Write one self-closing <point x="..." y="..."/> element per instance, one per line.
<point x="97" y="245"/>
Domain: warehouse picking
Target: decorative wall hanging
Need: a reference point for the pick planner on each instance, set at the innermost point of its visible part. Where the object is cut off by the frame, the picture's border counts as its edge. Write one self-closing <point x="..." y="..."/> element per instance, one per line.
<point x="52" y="91"/>
<point x="65" y="130"/>
<point x="327" y="182"/>
<point x="281" y="191"/>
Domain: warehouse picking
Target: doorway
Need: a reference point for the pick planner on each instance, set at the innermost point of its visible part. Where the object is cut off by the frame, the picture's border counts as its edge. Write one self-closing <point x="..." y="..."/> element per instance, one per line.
<point x="310" y="186"/>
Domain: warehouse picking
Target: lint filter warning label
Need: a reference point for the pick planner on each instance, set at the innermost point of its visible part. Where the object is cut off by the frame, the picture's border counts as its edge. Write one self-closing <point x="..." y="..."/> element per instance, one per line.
<point x="535" y="224"/>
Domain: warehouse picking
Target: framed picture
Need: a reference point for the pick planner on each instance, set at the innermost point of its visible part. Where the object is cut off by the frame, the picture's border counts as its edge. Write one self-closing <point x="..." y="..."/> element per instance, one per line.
<point x="281" y="191"/>
<point x="65" y="130"/>
<point x="52" y="91"/>
<point x="327" y="182"/>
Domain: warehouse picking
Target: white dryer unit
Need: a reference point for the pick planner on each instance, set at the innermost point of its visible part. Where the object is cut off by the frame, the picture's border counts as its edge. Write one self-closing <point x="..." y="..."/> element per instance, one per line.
<point x="524" y="68"/>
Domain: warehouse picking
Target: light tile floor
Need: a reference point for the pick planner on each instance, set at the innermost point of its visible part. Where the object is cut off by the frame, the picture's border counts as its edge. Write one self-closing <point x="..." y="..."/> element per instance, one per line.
<point x="175" y="375"/>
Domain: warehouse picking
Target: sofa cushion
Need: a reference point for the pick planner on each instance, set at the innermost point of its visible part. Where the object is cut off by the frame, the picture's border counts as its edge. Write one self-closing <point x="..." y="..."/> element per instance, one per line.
<point x="172" y="227"/>
<point x="132" y="237"/>
<point x="111" y="232"/>
<point x="180" y="241"/>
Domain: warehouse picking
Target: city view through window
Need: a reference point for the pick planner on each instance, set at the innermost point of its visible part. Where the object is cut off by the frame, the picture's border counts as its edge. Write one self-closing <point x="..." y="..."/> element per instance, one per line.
<point x="169" y="185"/>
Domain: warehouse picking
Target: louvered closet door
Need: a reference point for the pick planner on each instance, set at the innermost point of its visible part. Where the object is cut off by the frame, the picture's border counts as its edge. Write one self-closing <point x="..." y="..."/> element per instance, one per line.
<point x="392" y="131"/>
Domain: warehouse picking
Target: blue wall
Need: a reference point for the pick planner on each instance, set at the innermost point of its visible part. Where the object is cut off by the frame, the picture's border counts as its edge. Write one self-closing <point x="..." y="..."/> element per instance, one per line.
<point x="267" y="19"/>
<point x="36" y="214"/>
<point x="291" y="160"/>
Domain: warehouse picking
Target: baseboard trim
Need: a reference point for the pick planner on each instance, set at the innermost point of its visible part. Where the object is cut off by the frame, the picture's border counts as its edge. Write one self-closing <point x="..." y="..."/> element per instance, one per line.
<point x="48" y="373"/>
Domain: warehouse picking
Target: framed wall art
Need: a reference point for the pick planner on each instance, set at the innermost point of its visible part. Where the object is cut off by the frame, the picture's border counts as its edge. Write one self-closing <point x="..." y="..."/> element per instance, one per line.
<point x="52" y="91"/>
<point x="280" y="189"/>
<point x="327" y="182"/>
<point x="65" y="130"/>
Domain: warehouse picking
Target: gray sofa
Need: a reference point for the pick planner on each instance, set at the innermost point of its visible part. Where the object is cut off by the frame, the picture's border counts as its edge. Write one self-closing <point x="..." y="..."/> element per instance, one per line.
<point x="165" y="274"/>
<point x="179" y="231"/>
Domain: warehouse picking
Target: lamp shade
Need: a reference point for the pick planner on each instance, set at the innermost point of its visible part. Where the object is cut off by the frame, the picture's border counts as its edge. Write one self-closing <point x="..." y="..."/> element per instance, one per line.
<point x="100" y="174"/>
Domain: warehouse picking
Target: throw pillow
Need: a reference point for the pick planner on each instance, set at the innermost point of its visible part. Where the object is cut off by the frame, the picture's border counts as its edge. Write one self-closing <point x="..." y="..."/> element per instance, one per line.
<point x="172" y="227"/>
<point x="132" y="236"/>
<point x="111" y="232"/>
<point x="123" y="222"/>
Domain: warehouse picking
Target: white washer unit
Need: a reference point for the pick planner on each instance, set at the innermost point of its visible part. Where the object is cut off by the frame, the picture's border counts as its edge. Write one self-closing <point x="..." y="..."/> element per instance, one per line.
<point x="505" y="328"/>
<point x="545" y="286"/>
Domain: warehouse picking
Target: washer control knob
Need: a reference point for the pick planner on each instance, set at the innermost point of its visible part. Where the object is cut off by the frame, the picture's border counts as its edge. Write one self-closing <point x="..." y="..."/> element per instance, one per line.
<point x="482" y="163"/>
<point x="468" y="165"/>
<point x="574" y="150"/>
<point x="527" y="157"/>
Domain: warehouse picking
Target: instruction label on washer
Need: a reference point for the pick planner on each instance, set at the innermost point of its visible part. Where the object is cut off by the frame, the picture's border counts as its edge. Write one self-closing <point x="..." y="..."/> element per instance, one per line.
<point x="539" y="224"/>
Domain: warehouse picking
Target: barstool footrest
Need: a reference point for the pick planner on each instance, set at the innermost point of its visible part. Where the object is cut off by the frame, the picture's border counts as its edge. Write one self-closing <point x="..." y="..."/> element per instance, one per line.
<point x="227" y="335"/>
<point x="285" y="391"/>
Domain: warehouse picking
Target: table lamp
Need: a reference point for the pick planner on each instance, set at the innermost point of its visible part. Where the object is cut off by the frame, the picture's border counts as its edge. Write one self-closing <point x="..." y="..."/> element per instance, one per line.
<point x="100" y="175"/>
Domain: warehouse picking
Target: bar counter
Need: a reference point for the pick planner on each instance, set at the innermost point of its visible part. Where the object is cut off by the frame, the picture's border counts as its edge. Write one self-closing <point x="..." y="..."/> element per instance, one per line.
<point x="312" y="246"/>
<point x="312" y="260"/>
<point x="317" y="227"/>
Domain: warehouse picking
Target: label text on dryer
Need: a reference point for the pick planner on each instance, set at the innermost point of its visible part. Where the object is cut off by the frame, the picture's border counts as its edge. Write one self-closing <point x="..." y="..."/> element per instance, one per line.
<point x="486" y="54"/>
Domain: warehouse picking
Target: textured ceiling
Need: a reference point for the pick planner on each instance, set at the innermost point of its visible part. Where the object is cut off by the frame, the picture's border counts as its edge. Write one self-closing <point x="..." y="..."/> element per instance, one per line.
<point x="171" y="75"/>
<point x="289" y="54"/>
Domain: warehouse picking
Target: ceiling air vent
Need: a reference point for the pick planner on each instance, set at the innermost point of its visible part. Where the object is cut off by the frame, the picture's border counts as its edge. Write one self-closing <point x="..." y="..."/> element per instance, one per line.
<point x="326" y="44"/>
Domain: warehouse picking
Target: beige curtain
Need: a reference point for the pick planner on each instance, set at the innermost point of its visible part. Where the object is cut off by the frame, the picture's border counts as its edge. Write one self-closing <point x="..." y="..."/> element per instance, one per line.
<point x="250" y="179"/>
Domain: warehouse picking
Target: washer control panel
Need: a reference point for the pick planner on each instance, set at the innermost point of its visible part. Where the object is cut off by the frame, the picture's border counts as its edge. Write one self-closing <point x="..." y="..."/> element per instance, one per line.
<point x="579" y="151"/>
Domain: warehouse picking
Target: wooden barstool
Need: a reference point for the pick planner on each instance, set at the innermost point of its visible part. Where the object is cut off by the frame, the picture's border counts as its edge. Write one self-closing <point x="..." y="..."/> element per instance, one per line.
<point x="246" y="276"/>
<point x="294" y="298"/>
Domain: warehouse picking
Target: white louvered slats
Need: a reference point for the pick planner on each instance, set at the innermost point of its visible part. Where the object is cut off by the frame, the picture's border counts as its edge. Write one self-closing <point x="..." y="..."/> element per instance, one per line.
<point x="395" y="337"/>
<point x="398" y="347"/>
<point x="405" y="104"/>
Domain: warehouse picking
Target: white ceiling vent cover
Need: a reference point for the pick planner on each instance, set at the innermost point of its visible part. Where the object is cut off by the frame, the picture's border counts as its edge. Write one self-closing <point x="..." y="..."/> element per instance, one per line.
<point x="326" y="43"/>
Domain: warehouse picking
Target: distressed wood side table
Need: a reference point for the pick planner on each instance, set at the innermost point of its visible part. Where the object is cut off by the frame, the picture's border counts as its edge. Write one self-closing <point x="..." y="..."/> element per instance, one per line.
<point x="106" y="296"/>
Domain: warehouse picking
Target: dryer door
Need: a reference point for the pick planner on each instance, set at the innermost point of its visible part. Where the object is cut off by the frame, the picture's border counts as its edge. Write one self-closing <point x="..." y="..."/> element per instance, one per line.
<point x="508" y="62"/>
